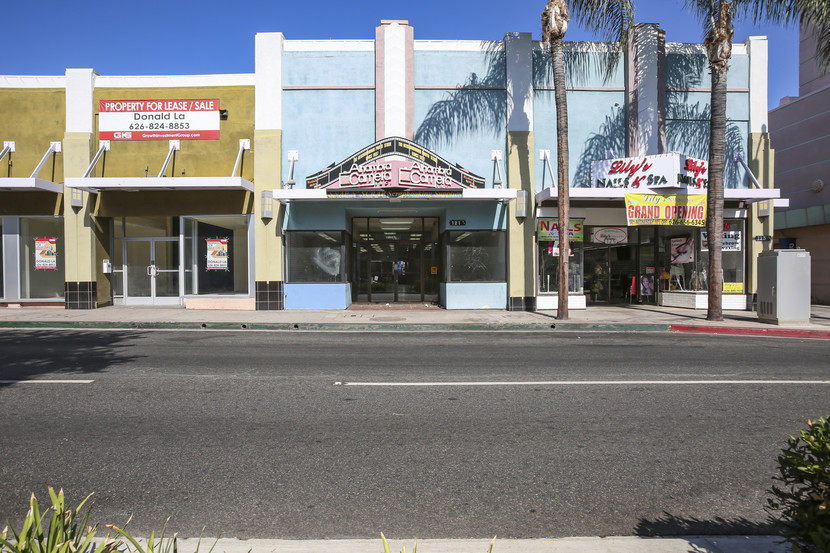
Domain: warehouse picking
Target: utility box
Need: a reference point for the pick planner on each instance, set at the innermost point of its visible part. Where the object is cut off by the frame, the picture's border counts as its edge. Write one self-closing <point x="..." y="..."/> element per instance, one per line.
<point x="784" y="286"/>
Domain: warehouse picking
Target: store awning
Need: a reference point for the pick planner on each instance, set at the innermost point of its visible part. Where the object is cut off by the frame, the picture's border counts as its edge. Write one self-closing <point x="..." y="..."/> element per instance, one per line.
<point x="22" y="184"/>
<point x="285" y="195"/>
<point x="134" y="184"/>
<point x="748" y="195"/>
<point x="32" y="183"/>
<point x="88" y="183"/>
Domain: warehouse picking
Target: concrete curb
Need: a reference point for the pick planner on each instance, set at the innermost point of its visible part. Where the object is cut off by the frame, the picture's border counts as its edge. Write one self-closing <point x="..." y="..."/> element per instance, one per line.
<point x="566" y="326"/>
<point x="742" y="331"/>
<point x="339" y="327"/>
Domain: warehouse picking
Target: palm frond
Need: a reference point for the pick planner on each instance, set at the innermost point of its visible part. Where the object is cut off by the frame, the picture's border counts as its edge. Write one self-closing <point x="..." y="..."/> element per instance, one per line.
<point x="610" y="20"/>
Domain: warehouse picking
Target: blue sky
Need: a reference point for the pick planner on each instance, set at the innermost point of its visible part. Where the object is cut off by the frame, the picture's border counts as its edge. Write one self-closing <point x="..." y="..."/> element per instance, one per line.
<point x="156" y="37"/>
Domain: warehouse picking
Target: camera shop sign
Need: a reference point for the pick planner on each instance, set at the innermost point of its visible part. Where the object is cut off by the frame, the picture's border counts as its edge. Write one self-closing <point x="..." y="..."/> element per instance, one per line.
<point x="394" y="163"/>
<point x="158" y="119"/>
<point x="672" y="170"/>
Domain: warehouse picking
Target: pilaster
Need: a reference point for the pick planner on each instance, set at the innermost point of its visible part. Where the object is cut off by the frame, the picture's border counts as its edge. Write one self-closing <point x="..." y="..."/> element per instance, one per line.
<point x="268" y="238"/>
<point x="761" y="220"/>
<point x="80" y="237"/>
<point x="521" y="288"/>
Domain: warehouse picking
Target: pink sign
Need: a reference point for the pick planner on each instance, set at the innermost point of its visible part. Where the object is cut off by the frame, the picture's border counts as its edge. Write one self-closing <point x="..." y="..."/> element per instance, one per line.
<point x="391" y="173"/>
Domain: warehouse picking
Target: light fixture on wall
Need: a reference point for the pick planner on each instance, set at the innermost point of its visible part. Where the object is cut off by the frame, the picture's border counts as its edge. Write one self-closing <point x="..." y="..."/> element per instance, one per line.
<point x="267" y="206"/>
<point x="521" y="203"/>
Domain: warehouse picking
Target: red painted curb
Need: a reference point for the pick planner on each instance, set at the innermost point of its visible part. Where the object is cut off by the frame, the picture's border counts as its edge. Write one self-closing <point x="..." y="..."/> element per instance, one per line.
<point x="740" y="331"/>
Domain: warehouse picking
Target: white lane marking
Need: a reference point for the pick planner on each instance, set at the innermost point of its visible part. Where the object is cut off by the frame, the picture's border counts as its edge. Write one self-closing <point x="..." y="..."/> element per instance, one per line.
<point x="40" y="381"/>
<point x="587" y="383"/>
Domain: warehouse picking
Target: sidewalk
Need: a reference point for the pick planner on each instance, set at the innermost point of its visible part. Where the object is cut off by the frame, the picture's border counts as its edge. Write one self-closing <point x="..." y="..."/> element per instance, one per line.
<point x="627" y="544"/>
<point x="420" y="317"/>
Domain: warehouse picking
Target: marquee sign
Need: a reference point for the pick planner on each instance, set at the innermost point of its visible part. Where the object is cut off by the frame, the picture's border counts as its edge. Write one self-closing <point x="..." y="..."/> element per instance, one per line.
<point x="394" y="163"/>
<point x="672" y="170"/>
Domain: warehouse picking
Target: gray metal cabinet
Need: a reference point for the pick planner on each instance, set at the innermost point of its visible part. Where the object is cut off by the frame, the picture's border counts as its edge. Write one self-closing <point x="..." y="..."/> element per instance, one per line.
<point x="784" y="286"/>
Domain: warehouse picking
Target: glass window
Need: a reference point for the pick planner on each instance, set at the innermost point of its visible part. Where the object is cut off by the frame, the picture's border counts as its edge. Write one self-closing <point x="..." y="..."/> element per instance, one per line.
<point x="678" y="264"/>
<point x="732" y="258"/>
<point x="216" y="255"/>
<point x="549" y="268"/>
<point x="476" y="256"/>
<point x="41" y="257"/>
<point x="548" y="245"/>
<point x="683" y="258"/>
<point x="317" y="256"/>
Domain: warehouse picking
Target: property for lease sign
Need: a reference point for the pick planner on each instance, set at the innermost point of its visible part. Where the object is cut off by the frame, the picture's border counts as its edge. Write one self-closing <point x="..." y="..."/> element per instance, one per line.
<point x="217" y="254"/>
<point x="46" y="254"/>
<point x="158" y="119"/>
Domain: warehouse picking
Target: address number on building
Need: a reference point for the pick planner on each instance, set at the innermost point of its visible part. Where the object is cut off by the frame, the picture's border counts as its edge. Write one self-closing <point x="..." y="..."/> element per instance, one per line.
<point x="762" y="238"/>
<point x="458" y="223"/>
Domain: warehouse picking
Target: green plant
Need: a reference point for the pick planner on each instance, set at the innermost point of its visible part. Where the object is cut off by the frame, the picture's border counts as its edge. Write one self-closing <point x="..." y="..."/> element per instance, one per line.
<point x="164" y="544"/>
<point x="802" y="499"/>
<point x="66" y="533"/>
<point x="386" y="548"/>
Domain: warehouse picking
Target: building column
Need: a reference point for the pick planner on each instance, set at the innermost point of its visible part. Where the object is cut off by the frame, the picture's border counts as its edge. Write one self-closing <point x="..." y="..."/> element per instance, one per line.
<point x="268" y="237"/>
<point x="521" y="246"/>
<point x="394" y="80"/>
<point x="760" y="158"/>
<point x="83" y="237"/>
<point x="645" y="83"/>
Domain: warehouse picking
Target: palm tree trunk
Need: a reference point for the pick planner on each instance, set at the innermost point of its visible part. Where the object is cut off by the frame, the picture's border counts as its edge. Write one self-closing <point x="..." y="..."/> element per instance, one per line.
<point x="714" y="219"/>
<point x="557" y="52"/>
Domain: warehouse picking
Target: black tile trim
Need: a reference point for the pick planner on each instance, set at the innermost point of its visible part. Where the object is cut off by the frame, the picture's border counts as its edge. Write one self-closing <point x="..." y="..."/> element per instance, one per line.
<point x="526" y="303"/>
<point x="80" y="295"/>
<point x="269" y="295"/>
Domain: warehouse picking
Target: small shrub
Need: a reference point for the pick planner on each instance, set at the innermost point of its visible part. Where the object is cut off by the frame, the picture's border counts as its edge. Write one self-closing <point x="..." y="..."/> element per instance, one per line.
<point x="803" y="500"/>
<point x="66" y="532"/>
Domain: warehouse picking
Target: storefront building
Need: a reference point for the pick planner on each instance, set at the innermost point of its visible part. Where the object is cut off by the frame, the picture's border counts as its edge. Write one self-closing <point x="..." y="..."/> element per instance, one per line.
<point x="385" y="170"/>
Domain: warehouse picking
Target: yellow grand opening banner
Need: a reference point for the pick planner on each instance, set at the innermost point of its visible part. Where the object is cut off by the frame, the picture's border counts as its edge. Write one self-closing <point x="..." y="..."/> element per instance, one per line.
<point x="669" y="209"/>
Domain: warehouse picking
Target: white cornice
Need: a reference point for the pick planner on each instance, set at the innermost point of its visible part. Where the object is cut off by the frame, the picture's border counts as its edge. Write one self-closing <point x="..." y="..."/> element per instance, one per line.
<point x="34" y="81"/>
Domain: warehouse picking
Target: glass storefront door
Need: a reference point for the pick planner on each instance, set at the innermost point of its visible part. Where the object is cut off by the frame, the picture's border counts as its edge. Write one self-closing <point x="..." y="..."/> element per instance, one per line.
<point x="396" y="260"/>
<point x="609" y="271"/>
<point x="152" y="271"/>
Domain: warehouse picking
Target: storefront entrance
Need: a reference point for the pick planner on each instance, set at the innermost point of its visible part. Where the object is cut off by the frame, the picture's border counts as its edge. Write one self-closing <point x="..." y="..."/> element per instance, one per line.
<point x="609" y="271"/>
<point x="152" y="271"/>
<point x="396" y="259"/>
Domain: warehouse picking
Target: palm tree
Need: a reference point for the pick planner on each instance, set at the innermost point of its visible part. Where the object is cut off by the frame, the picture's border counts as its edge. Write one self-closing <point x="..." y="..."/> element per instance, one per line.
<point x="612" y="20"/>
<point x="717" y="16"/>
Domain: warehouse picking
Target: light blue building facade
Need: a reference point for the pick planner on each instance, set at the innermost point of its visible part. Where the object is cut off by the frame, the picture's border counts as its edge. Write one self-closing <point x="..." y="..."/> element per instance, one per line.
<point x="488" y="106"/>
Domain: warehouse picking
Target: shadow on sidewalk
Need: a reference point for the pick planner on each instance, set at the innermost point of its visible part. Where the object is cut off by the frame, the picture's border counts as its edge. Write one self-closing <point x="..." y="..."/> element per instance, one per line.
<point x="670" y="525"/>
<point x="31" y="353"/>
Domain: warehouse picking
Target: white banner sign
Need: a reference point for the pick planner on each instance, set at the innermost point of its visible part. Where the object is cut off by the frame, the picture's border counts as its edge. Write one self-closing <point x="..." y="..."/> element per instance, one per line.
<point x="158" y="119"/>
<point x="731" y="241"/>
<point x="672" y="170"/>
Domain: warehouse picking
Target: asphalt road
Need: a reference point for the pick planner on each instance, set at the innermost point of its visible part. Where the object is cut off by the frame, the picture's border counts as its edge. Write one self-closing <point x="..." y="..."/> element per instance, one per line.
<point x="460" y="435"/>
